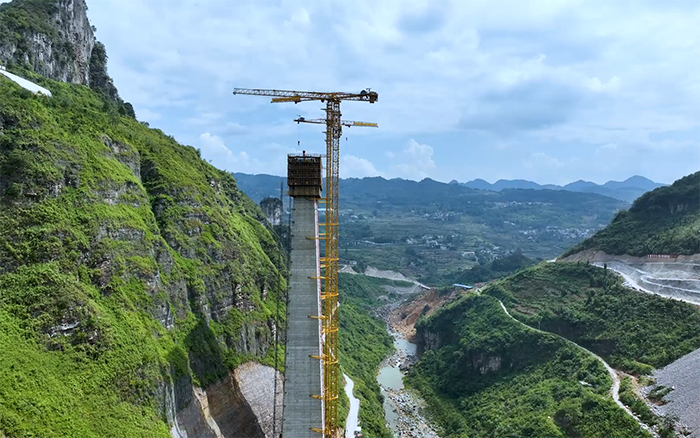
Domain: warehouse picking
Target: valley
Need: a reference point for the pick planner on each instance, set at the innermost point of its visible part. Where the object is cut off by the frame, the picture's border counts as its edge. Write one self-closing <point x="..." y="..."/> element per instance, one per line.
<point x="150" y="289"/>
<point x="433" y="231"/>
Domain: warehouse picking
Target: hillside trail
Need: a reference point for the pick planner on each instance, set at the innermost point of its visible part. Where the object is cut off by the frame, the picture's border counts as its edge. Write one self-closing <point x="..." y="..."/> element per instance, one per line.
<point x="615" y="390"/>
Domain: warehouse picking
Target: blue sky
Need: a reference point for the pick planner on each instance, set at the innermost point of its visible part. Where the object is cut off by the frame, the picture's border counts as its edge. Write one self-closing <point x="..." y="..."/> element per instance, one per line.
<point x="552" y="91"/>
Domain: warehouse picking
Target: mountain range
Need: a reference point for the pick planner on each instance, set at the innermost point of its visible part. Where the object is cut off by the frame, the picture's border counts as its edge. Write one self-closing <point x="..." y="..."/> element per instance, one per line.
<point x="263" y="185"/>
<point x="627" y="190"/>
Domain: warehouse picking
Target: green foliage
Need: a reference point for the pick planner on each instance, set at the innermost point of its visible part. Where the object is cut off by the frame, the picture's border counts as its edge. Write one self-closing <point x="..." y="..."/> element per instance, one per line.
<point x="26" y="16"/>
<point x="500" y="267"/>
<point x="635" y="332"/>
<point x="637" y="405"/>
<point x="104" y="226"/>
<point x="363" y="343"/>
<point x="490" y="376"/>
<point x="663" y="221"/>
<point x="428" y="229"/>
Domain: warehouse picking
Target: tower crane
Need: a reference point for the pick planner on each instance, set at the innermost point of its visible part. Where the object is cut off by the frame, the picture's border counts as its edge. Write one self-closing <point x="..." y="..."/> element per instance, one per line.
<point x="329" y="261"/>
<point x="347" y="123"/>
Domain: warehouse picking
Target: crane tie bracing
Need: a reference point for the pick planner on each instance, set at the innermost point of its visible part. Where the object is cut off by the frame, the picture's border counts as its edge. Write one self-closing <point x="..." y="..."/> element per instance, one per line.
<point x="329" y="261"/>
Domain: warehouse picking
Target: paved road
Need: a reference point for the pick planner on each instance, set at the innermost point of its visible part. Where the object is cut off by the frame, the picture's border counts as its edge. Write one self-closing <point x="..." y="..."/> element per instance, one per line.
<point x="351" y="422"/>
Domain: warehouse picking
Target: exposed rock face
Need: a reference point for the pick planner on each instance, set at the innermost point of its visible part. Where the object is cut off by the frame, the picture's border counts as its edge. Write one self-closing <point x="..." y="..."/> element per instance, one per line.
<point x="485" y="363"/>
<point x="257" y="384"/>
<point x="60" y="50"/>
<point x="240" y="405"/>
<point x="272" y="208"/>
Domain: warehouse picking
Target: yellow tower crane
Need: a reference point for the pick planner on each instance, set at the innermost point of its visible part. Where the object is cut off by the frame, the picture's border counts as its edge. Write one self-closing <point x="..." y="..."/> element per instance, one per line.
<point x="329" y="261"/>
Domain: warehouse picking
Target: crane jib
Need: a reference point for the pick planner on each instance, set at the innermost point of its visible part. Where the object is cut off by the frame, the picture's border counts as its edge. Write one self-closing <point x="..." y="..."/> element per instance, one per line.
<point x="292" y="96"/>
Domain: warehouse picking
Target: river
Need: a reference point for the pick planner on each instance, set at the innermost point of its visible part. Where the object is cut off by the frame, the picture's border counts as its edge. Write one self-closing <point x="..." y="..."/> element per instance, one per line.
<point x="403" y="408"/>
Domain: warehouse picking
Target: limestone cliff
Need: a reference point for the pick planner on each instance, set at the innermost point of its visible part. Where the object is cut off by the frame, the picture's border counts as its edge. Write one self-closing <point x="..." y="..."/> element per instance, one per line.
<point x="139" y="287"/>
<point x="53" y="37"/>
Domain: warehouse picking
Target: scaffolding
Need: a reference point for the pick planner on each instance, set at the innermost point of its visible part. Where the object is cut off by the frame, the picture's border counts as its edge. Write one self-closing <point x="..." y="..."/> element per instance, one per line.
<point x="309" y="187"/>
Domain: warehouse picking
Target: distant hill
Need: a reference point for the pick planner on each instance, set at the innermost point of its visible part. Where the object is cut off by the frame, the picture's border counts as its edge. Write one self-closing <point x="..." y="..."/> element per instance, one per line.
<point x="627" y="190"/>
<point x="665" y="221"/>
<point x="433" y="231"/>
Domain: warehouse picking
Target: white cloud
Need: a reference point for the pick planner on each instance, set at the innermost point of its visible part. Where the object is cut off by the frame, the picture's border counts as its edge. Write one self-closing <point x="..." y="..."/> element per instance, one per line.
<point x="214" y="150"/>
<point x="611" y="86"/>
<point x="545" y="76"/>
<point x="540" y="160"/>
<point x="356" y="167"/>
<point x="415" y="162"/>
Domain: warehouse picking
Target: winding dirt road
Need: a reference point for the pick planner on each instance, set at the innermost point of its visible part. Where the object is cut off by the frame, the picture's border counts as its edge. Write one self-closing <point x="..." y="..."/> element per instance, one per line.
<point x="614" y="391"/>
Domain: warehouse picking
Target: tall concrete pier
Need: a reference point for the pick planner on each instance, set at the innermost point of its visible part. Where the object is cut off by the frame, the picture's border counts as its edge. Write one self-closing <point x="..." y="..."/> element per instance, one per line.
<point x="303" y="375"/>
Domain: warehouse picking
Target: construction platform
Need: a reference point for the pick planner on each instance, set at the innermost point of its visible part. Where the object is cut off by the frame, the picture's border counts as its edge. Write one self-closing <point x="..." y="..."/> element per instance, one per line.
<point x="303" y="373"/>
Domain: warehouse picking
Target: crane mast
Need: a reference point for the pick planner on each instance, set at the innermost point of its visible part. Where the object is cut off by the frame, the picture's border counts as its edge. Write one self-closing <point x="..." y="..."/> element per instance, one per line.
<point x="329" y="261"/>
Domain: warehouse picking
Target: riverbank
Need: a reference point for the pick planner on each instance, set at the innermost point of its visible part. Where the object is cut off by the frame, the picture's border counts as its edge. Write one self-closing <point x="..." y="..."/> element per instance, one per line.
<point x="405" y="410"/>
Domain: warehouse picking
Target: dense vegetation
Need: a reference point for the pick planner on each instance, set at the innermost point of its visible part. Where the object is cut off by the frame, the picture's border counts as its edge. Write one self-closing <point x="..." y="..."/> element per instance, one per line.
<point x="127" y="264"/>
<point x="24" y="24"/>
<point x="589" y="305"/>
<point x="433" y="231"/>
<point x="663" y="221"/>
<point x="498" y="268"/>
<point x="363" y="344"/>
<point x="29" y="16"/>
<point x="487" y="375"/>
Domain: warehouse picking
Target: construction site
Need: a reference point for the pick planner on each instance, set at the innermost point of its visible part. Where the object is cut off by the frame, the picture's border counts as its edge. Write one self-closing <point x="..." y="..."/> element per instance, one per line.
<point x="311" y="379"/>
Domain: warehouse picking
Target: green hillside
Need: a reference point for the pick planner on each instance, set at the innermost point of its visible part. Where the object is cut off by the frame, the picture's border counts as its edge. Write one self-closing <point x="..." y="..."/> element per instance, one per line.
<point x="433" y="231"/>
<point x="485" y="375"/>
<point x="127" y="263"/>
<point x="633" y="331"/>
<point x="363" y="343"/>
<point x="663" y="221"/>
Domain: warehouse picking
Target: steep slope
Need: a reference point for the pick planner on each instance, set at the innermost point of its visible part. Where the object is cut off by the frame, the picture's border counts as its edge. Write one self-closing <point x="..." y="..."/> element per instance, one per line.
<point x="54" y="38"/>
<point x="634" y="332"/>
<point x="484" y="374"/>
<point x="130" y="270"/>
<point x="363" y="343"/>
<point x="663" y="221"/>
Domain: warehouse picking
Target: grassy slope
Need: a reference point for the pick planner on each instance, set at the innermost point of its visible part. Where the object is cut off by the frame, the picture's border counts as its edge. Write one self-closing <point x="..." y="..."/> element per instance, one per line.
<point x="536" y="391"/>
<point x="363" y="344"/>
<point x="663" y="221"/>
<point x="588" y="305"/>
<point x="105" y="378"/>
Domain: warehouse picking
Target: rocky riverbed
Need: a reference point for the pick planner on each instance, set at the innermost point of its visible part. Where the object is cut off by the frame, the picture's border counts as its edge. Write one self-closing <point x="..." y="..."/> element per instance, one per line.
<point x="405" y="410"/>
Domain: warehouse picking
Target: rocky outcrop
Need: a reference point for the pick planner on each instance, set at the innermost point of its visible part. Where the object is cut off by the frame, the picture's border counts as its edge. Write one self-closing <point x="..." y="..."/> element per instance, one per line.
<point x="240" y="405"/>
<point x="121" y="246"/>
<point x="55" y="39"/>
<point x="272" y="209"/>
<point x="486" y="363"/>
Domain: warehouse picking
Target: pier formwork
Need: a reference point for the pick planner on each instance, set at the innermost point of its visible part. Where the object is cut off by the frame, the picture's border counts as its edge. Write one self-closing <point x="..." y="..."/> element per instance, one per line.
<point x="303" y="372"/>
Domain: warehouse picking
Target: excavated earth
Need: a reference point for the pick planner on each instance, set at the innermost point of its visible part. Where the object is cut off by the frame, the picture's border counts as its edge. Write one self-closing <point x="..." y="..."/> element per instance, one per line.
<point x="677" y="278"/>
